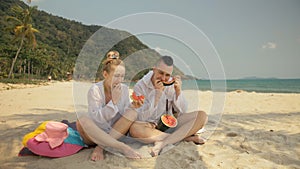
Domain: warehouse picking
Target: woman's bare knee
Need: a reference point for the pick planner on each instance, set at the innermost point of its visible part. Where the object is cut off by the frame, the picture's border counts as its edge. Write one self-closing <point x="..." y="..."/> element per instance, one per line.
<point x="84" y="121"/>
<point x="140" y="129"/>
<point x="134" y="130"/>
<point x="130" y="115"/>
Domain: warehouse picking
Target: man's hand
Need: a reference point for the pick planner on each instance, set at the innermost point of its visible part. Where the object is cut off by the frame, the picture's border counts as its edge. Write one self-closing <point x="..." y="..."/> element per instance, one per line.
<point x="159" y="88"/>
<point x="177" y="85"/>
<point x="158" y="85"/>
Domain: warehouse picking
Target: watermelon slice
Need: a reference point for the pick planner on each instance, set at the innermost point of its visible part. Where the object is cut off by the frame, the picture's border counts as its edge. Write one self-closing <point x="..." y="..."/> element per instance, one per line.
<point x="169" y="82"/>
<point x="166" y="121"/>
<point x="169" y="120"/>
<point x="136" y="98"/>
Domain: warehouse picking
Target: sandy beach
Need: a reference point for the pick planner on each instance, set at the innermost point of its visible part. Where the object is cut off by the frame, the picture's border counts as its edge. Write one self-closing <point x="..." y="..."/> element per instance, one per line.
<point x="257" y="130"/>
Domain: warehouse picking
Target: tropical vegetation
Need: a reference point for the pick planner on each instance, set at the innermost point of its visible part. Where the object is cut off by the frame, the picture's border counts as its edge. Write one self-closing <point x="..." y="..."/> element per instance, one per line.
<point x="35" y="44"/>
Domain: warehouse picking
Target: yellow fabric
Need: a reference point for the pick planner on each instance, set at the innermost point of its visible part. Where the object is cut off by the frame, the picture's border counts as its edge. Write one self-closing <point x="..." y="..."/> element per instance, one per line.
<point x="41" y="128"/>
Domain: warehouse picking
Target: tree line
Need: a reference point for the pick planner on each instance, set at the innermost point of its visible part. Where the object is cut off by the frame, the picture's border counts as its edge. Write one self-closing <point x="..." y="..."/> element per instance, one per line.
<point x="35" y="44"/>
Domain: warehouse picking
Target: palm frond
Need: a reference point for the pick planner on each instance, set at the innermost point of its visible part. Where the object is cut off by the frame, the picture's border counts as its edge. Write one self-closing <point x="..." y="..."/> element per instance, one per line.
<point x="11" y="18"/>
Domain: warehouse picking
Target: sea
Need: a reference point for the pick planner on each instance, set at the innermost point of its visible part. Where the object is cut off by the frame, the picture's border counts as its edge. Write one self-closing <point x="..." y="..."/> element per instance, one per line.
<point x="249" y="85"/>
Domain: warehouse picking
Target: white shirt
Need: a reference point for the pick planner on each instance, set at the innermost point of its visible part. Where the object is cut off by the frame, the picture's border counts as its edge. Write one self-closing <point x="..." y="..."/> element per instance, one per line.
<point x="151" y="113"/>
<point x="105" y="115"/>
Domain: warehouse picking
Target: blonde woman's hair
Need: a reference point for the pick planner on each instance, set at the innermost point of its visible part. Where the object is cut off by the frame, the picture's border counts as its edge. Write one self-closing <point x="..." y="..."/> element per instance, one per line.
<point x="111" y="61"/>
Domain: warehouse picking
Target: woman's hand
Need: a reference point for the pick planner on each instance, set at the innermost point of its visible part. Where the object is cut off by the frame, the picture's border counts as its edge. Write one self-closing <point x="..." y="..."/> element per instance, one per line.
<point x="137" y="103"/>
<point x="116" y="93"/>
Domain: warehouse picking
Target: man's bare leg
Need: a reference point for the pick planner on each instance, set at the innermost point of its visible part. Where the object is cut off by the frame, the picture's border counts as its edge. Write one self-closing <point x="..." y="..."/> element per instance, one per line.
<point x="146" y="132"/>
<point x="189" y="124"/>
<point x="197" y="139"/>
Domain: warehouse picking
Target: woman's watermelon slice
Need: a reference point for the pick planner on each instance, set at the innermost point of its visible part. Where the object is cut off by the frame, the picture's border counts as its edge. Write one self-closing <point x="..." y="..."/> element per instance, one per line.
<point x="136" y="98"/>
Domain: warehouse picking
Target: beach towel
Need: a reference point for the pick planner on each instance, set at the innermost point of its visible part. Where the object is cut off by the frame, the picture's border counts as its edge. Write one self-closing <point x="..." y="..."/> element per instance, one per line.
<point x="74" y="138"/>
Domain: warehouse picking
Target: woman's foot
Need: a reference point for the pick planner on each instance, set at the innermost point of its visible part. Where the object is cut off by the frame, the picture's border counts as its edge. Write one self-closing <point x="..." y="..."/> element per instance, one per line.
<point x="97" y="154"/>
<point x="156" y="149"/>
<point x="130" y="153"/>
<point x="197" y="139"/>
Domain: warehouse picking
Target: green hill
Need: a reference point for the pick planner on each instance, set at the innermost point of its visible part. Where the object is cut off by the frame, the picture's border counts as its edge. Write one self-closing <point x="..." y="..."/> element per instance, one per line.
<point x="59" y="43"/>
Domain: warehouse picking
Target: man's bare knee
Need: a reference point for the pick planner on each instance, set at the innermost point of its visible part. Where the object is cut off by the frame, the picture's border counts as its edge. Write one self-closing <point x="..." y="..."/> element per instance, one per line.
<point x="202" y="117"/>
<point x="201" y="114"/>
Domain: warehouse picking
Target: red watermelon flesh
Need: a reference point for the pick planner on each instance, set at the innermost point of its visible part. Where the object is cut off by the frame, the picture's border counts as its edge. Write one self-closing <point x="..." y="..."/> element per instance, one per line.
<point x="136" y="98"/>
<point x="169" y="120"/>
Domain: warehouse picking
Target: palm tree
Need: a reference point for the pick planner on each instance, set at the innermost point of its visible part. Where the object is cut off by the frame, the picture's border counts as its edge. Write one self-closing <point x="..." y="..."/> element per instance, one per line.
<point x="22" y="30"/>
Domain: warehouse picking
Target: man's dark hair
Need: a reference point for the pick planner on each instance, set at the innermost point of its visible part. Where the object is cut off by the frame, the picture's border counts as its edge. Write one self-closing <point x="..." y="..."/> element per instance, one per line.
<point x="167" y="60"/>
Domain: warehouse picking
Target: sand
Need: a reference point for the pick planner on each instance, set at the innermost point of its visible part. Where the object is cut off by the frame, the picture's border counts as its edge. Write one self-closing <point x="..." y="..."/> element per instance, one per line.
<point x="257" y="130"/>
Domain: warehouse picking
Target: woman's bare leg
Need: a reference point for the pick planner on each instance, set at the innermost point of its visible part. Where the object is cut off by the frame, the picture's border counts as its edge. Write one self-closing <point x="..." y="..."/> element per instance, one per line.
<point x="103" y="139"/>
<point x="121" y="127"/>
<point x="97" y="154"/>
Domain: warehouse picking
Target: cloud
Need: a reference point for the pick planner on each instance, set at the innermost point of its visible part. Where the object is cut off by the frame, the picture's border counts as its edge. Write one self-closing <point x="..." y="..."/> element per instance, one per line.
<point x="269" y="45"/>
<point x="163" y="51"/>
<point x="37" y="0"/>
<point x="158" y="49"/>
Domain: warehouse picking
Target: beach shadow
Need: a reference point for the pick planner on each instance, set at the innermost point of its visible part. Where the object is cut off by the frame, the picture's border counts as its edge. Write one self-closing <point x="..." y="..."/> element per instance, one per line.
<point x="11" y="134"/>
<point x="264" y="140"/>
<point x="184" y="155"/>
<point x="260" y="141"/>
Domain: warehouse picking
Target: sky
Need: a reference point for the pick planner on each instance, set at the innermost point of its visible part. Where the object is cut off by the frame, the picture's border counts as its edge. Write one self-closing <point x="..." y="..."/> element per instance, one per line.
<point x="212" y="39"/>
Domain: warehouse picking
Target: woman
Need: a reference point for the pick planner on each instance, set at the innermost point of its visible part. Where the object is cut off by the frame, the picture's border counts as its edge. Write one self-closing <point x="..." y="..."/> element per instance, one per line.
<point x="109" y="111"/>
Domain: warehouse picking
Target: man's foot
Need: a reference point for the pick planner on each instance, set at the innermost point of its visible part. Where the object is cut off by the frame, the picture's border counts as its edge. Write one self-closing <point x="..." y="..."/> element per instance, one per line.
<point x="130" y="153"/>
<point x="156" y="149"/>
<point x="197" y="139"/>
<point x="97" y="154"/>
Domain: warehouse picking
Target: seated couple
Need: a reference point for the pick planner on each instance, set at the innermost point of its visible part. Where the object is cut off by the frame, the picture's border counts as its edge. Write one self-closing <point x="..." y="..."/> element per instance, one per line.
<point x="111" y="115"/>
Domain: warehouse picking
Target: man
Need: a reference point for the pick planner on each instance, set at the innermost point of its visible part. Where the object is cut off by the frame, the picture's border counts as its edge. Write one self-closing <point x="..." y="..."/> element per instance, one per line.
<point x="160" y="99"/>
